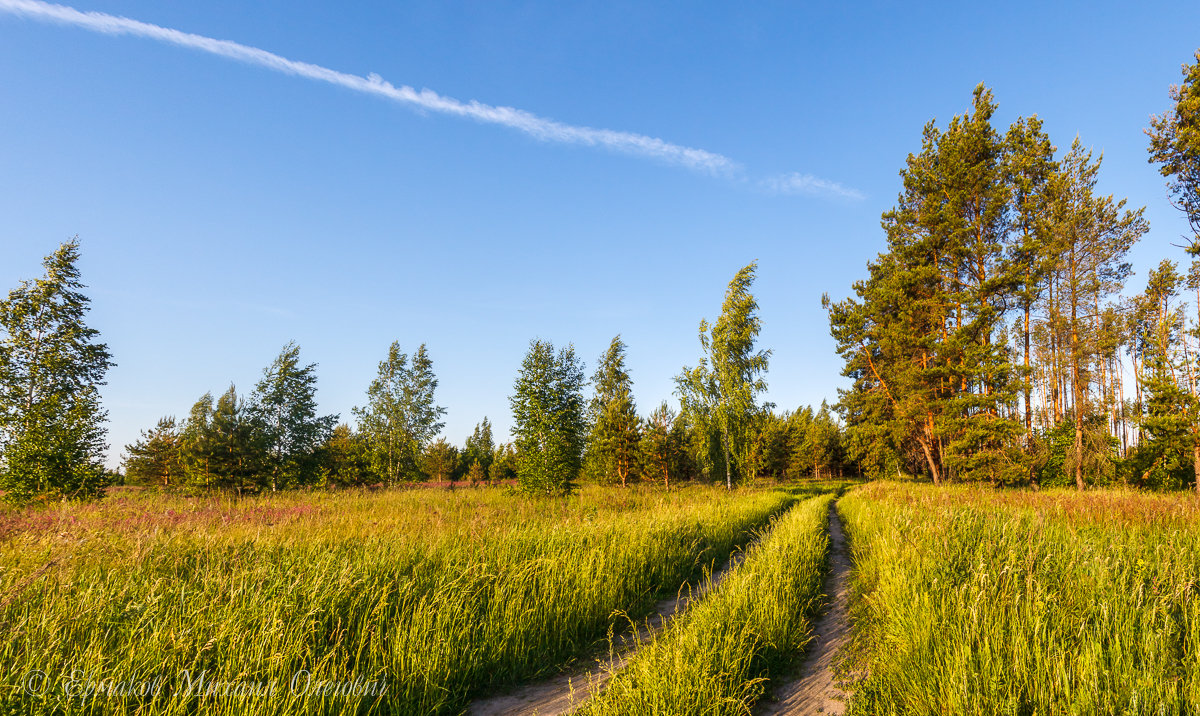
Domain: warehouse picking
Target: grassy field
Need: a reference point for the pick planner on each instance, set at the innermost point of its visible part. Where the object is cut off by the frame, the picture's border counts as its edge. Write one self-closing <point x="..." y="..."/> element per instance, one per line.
<point x="392" y="602"/>
<point x="716" y="658"/>
<point x="971" y="601"/>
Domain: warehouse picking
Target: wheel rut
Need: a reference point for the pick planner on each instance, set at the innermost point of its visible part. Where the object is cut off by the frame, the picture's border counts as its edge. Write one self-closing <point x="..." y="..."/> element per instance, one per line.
<point x="814" y="690"/>
<point x="564" y="693"/>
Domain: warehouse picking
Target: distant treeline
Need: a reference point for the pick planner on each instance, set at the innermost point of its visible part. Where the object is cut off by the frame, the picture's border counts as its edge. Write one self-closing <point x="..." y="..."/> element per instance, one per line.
<point x="52" y="425"/>
<point x="991" y="340"/>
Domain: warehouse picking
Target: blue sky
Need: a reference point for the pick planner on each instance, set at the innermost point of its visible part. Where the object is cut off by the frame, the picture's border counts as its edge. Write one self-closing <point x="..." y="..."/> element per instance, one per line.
<point x="225" y="209"/>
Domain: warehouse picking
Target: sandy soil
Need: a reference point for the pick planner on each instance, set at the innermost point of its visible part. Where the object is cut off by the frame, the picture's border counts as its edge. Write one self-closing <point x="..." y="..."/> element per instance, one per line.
<point x="564" y="693"/>
<point x="813" y="690"/>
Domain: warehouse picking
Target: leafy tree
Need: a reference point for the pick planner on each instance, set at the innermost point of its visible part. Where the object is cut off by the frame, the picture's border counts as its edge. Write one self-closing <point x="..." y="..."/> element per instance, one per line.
<point x="343" y="459"/>
<point x="720" y="393"/>
<point x="284" y="404"/>
<point x="440" y="460"/>
<point x="400" y="417"/>
<point x="476" y="473"/>
<point x="1175" y="147"/>
<point x="156" y="458"/>
<point x="548" y="418"/>
<point x="613" y="443"/>
<point x="51" y="367"/>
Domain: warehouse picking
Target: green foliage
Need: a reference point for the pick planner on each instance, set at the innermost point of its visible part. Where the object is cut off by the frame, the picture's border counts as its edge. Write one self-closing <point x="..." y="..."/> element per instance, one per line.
<point x="480" y="447"/>
<point x="51" y="368"/>
<point x="719" y="394"/>
<point x="1175" y="147"/>
<point x="284" y="406"/>
<point x="224" y="446"/>
<point x="344" y="459"/>
<point x="662" y="446"/>
<point x="157" y="458"/>
<point x="440" y="460"/>
<point x="612" y="444"/>
<point x="548" y="418"/>
<point x="400" y="417"/>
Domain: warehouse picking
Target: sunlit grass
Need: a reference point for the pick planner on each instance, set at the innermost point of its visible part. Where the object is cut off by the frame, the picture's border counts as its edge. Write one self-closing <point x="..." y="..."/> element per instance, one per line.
<point x="717" y="658"/>
<point x="970" y="601"/>
<point x="435" y="594"/>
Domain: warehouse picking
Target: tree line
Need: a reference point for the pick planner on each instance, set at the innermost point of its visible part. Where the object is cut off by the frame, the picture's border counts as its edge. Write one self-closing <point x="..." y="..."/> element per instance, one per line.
<point x="273" y="438"/>
<point x="993" y="339"/>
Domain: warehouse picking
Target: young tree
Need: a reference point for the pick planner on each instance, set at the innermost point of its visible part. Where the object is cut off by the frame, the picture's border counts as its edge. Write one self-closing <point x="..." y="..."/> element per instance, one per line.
<point x="440" y="460"/>
<point x="548" y="418"/>
<point x="51" y="367"/>
<point x="1175" y="147"/>
<point x="156" y="459"/>
<point x="284" y="403"/>
<point x="613" y="442"/>
<point x="721" y="391"/>
<point x="661" y="445"/>
<point x="400" y="417"/>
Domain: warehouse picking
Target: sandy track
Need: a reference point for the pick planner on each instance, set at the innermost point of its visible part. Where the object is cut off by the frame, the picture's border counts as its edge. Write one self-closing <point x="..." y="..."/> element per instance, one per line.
<point x="813" y="690"/>
<point x="563" y="694"/>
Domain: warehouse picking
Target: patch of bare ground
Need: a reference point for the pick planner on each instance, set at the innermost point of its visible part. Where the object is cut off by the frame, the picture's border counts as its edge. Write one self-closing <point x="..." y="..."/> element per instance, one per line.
<point x="814" y="690"/>
<point x="564" y="693"/>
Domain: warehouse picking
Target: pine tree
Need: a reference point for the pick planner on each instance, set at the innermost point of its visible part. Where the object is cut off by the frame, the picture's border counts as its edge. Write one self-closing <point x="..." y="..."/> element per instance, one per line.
<point x="549" y="425"/>
<point x="1092" y="235"/>
<point x="613" y="442"/>
<point x="285" y="405"/>
<point x="156" y="458"/>
<point x="440" y="460"/>
<point x="661" y="445"/>
<point x="51" y="367"/>
<point x="1175" y="147"/>
<point x="480" y="447"/>
<point x="400" y="417"/>
<point x="719" y="395"/>
<point x="1172" y="420"/>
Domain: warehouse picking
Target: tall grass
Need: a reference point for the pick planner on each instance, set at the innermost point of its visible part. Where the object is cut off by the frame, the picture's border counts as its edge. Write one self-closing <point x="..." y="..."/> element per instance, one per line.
<point x="401" y="602"/>
<point x="717" y="658"/>
<point x="970" y="601"/>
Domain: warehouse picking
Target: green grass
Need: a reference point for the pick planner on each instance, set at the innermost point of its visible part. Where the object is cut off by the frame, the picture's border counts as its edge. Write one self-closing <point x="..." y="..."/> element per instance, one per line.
<point x="717" y="658"/>
<point x="439" y="595"/>
<point x="970" y="601"/>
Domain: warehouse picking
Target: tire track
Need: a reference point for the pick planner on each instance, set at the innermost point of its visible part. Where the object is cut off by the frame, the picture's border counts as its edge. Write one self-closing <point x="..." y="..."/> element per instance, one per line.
<point x="814" y="690"/>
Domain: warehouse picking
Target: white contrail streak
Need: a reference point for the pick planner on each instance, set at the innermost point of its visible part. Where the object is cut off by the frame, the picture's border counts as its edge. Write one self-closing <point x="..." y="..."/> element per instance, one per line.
<point x="527" y="122"/>
<point x="796" y="183"/>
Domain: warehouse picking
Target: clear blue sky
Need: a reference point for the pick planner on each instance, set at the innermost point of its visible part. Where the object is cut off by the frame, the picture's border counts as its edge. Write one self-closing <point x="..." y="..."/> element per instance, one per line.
<point x="225" y="208"/>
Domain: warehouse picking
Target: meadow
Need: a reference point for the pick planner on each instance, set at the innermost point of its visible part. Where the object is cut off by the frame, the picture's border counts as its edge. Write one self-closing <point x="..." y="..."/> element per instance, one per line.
<point x="974" y="601"/>
<point x="314" y="602"/>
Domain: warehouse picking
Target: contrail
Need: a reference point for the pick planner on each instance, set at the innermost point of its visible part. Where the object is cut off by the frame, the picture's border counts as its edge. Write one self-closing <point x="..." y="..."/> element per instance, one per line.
<point x="518" y="119"/>
<point x="796" y="183"/>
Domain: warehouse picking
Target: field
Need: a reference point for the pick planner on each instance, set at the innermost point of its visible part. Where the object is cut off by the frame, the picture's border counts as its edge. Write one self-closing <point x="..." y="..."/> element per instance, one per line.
<point x="965" y="600"/>
<point x="971" y="601"/>
<point x="218" y="604"/>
